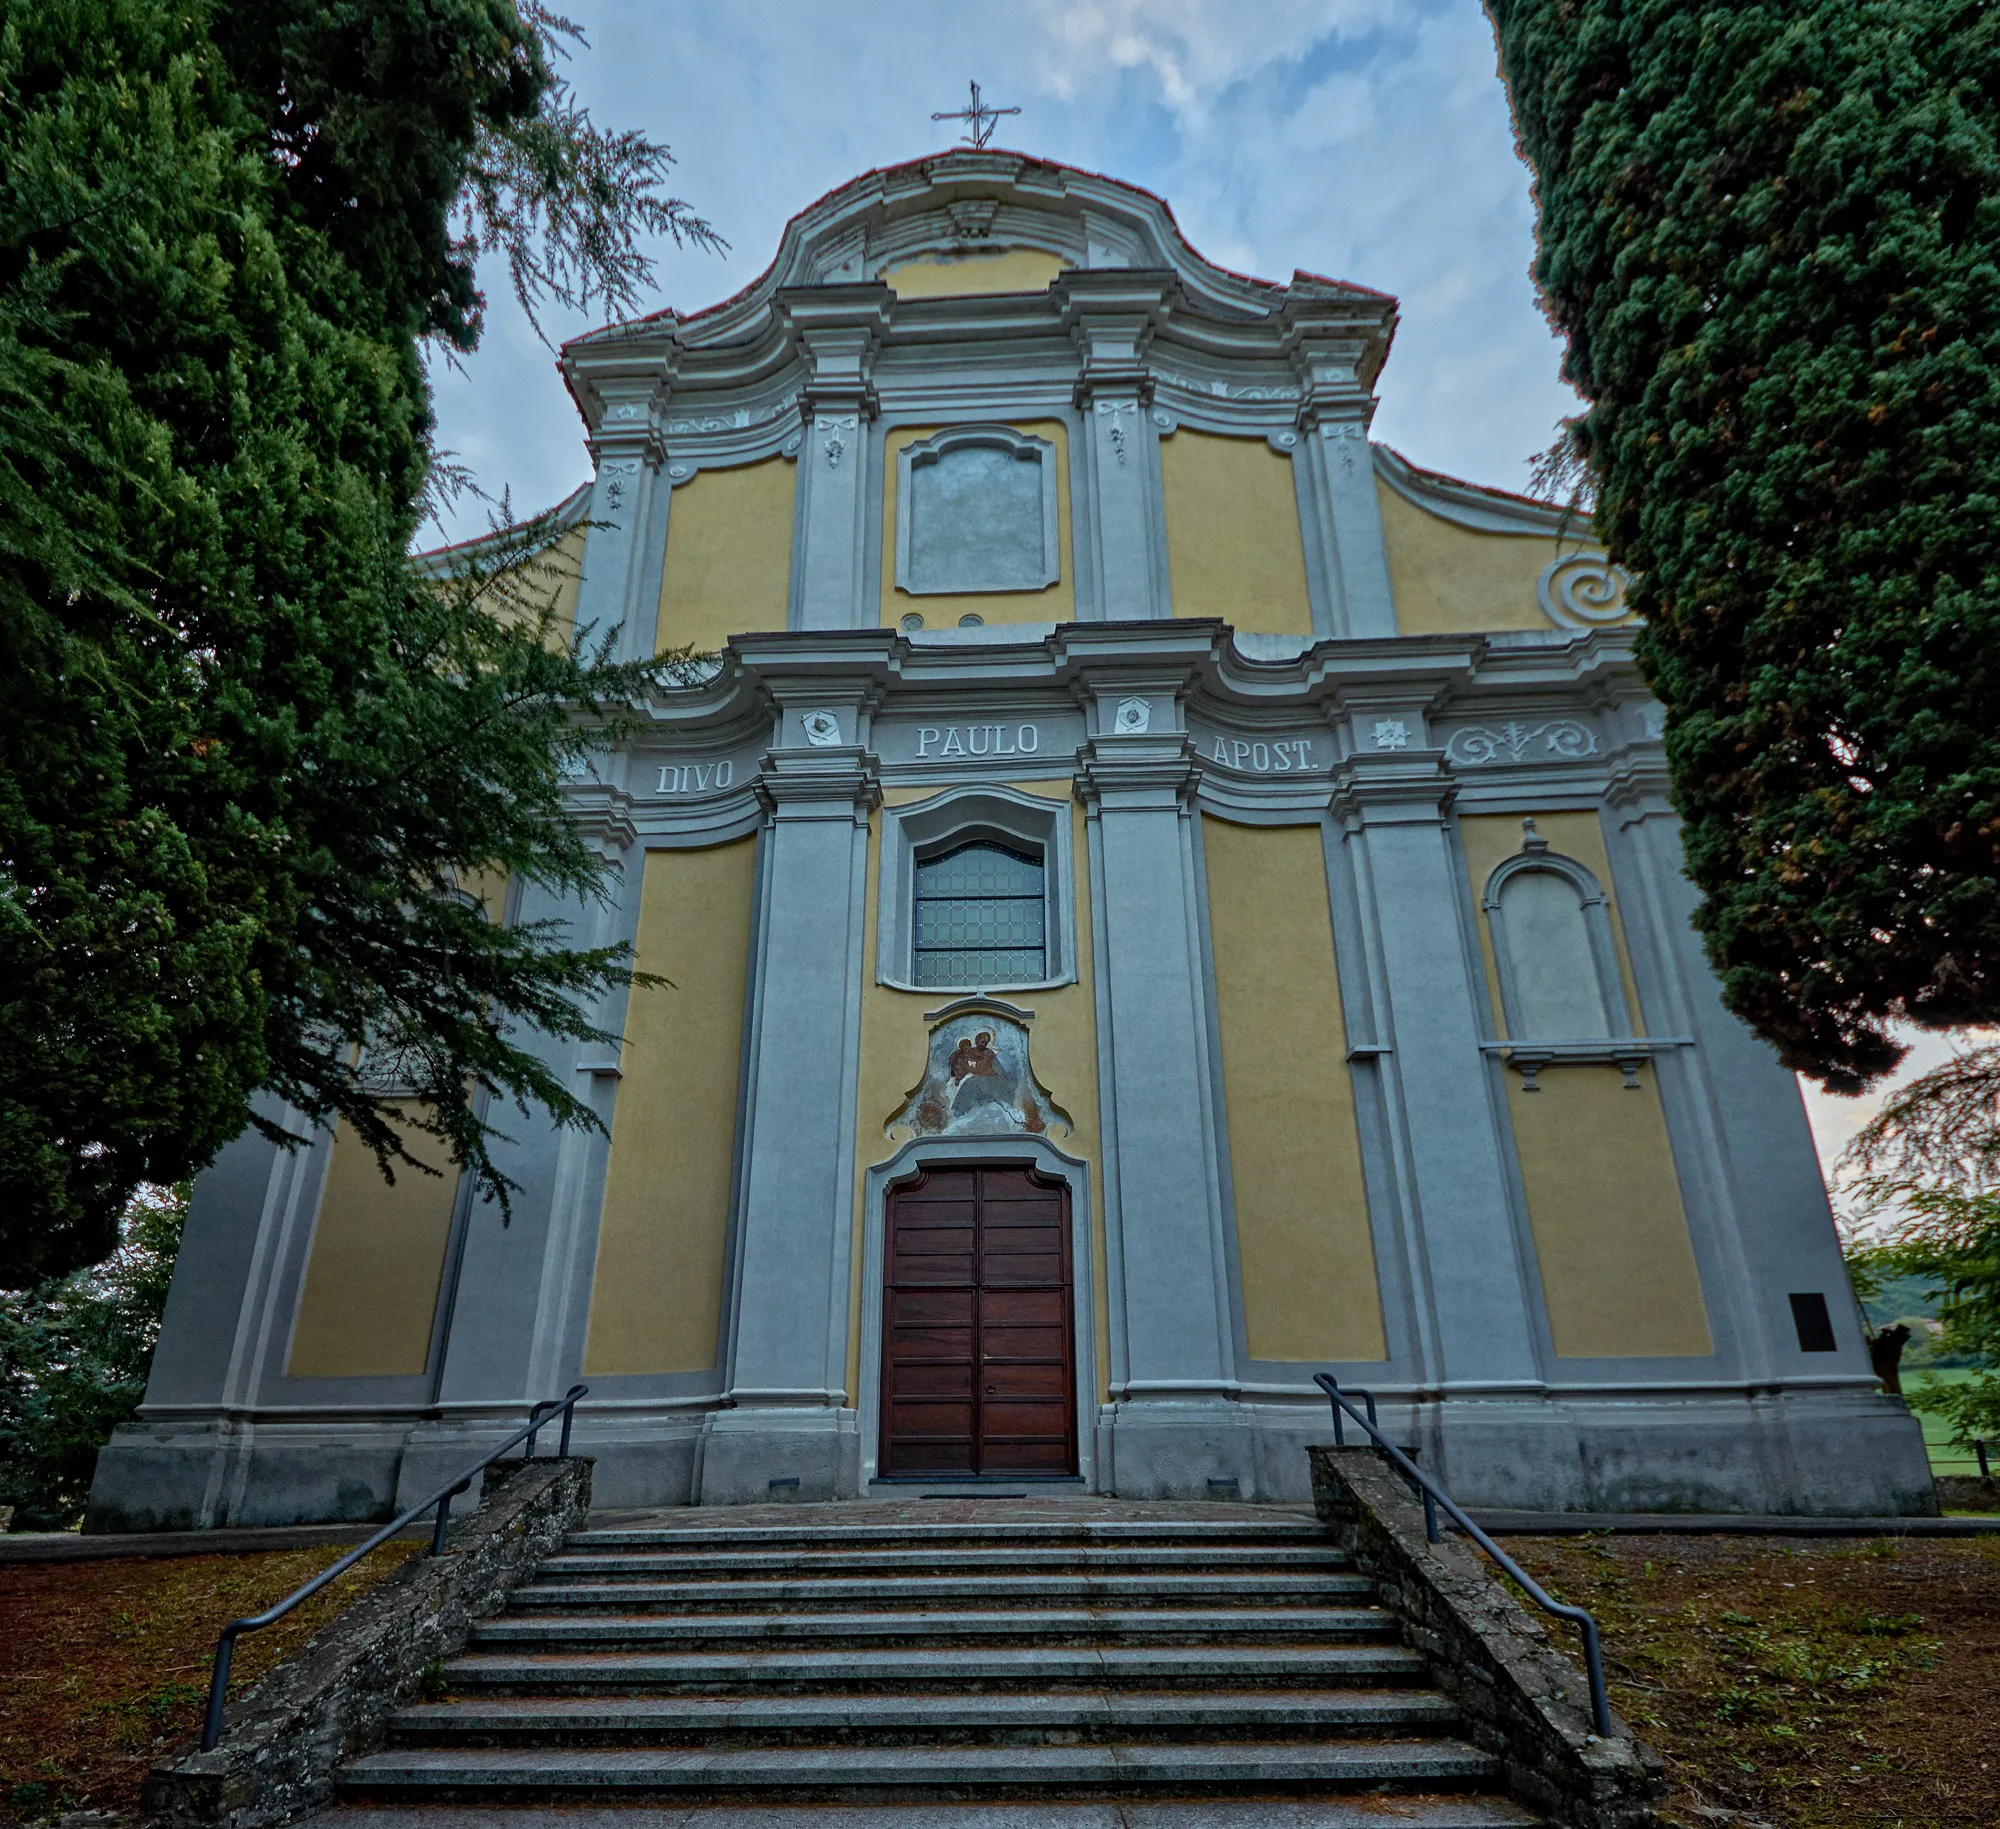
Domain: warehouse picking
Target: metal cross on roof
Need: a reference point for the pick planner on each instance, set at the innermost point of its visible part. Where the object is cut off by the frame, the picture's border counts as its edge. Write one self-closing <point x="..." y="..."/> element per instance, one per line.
<point x="980" y="118"/>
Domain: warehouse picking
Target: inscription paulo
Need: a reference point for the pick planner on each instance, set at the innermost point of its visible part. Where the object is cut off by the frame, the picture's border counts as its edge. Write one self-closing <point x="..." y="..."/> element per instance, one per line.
<point x="978" y="740"/>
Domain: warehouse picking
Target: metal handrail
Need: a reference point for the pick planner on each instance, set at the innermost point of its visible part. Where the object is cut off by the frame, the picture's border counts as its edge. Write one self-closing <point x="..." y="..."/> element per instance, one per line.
<point x="1435" y="1497"/>
<point x="225" y="1646"/>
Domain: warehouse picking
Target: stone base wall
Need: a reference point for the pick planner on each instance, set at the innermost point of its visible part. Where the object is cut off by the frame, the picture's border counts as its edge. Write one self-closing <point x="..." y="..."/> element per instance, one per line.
<point x="282" y="1741"/>
<point x="1840" y="1453"/>
<point x="1523" y="1699"/>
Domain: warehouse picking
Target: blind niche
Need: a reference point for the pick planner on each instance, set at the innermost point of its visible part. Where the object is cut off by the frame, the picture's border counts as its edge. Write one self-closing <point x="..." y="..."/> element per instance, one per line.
<point x="976" y="513"/>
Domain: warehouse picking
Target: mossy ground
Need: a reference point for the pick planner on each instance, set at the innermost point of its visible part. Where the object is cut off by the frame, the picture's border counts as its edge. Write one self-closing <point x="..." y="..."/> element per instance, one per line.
<point x="1804" y="1684"/>
<point x="106" y="1663"/>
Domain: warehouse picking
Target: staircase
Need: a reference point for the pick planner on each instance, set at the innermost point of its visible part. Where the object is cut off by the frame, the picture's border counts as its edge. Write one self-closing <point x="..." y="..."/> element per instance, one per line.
<point x="909" y="1662"/>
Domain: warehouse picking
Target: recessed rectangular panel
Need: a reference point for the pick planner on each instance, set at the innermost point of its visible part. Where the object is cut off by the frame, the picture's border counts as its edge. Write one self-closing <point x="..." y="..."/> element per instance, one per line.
<point x="1044" y="1379"/>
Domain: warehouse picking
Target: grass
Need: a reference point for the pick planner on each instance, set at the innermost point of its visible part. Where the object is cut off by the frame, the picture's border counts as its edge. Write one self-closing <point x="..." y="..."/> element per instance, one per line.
<point x="1802" y="1685"/>
<point x="1946" y="1455"/>
<point x="106" y="1663"/>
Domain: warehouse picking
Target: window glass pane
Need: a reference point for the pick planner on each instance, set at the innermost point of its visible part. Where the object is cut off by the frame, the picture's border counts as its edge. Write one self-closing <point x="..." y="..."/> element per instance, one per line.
<point x="1557" y="996"/>
<point x="980" y="918"/>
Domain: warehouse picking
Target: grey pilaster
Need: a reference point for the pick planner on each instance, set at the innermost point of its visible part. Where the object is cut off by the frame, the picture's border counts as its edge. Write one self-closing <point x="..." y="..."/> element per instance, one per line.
<point x="1392" y="798"/>
<point x="789" y="1430"/>
<point x="1173" y="1427"/>
<point x="625" y="551"/>
<point x="1111" y="317"/>
<point x="520" y="1294"/>
<point x="1341" y="517"/>
<point x="836" y="331"/>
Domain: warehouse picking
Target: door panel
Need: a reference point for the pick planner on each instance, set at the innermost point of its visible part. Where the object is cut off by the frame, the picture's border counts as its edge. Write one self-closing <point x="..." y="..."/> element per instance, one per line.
<point x="978" y="1372"/>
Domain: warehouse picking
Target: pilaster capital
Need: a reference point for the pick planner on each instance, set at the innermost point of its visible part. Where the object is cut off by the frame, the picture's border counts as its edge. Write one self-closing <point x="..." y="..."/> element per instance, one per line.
<point x="602" y="815"/>
<point x="1385" y="718"/>
<point x="622" y="394"/>
<point x="1638" y="785"/>
<point x="1156" y="772"/>
<point x="837" y="330"/>
<point x="842" y="782"/>
<point x="1393" y="788"/>
<point x="1111" y="317"/>
<point x="631" y="428"/>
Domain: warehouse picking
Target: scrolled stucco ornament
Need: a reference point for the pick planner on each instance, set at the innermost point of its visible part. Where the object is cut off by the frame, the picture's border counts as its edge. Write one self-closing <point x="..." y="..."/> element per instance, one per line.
<point x="1583" y="591"/>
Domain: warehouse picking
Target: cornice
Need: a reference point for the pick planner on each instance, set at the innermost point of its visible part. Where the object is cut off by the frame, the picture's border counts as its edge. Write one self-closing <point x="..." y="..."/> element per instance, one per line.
<point x="1459" y="674"/>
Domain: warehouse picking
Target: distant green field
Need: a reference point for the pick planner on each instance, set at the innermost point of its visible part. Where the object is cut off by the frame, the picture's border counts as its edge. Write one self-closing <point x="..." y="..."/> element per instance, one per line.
<point x="1945" y="1458"/>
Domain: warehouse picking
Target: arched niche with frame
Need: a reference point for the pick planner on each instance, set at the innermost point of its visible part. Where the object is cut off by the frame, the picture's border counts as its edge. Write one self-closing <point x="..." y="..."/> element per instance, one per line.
<point x="1553" y="947"/>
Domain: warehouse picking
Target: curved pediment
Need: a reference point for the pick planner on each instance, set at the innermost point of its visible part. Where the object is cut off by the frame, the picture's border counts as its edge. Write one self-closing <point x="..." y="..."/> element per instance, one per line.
<point x="976" y="206"/>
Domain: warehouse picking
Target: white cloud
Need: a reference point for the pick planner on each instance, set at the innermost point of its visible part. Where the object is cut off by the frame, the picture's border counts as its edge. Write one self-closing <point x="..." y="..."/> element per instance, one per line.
<point x="1367" y="139"/>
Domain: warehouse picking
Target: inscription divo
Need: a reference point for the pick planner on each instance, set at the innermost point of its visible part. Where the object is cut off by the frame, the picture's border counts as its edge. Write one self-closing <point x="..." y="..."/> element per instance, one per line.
<point x="978" y="740"/>
<point x="696" y="777"/>
<point x="1285" y="757"/>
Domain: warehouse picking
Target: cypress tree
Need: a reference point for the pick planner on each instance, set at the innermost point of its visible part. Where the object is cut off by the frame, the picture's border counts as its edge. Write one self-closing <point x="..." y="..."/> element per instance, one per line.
<point x="250" y="756"/>
<point x="1771" y="237"/>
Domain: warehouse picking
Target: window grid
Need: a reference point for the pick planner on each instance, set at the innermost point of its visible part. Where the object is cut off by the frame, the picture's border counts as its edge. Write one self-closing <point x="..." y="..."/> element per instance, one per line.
<point x="981" y="918"/>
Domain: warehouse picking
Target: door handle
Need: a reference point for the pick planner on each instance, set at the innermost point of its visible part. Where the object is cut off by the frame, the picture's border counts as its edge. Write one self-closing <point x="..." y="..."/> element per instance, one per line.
<point x="992" y="1390"/>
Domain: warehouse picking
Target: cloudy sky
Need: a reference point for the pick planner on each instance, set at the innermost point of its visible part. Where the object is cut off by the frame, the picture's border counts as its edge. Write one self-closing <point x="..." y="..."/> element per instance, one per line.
<point x="1368" y="139"/>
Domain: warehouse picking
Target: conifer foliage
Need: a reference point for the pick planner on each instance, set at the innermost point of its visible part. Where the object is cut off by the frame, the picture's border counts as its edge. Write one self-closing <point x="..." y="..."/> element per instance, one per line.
<point x="250" y="756"/>
<point x="1771" y="236"/>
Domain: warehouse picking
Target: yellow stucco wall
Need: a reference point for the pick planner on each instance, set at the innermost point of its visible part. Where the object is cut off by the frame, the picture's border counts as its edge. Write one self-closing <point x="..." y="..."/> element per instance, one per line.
<point x="1304" y="1250"/>
<point x="957" y="275"/>
<point x="1054" y="603"/>
<point x="377" y="1261"/>
<point x="1453" y="580"/>
<point x="1062" y="1048"/>
<point x="656" y="1302"/>
<point x="729" y="555"/>
<point x="1597" y="1167"/>
<point x="1233" y="544"/>
<point x="548" y="581"/>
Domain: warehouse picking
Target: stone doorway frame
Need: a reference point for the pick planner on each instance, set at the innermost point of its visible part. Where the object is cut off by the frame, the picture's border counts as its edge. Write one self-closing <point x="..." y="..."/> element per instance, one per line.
<point x="955" y="1152"/>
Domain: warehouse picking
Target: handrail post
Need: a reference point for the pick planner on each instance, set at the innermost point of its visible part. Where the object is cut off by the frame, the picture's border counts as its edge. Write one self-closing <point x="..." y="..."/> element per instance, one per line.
<point x="568" y="1416"/>
<point x="218" y="1688"/>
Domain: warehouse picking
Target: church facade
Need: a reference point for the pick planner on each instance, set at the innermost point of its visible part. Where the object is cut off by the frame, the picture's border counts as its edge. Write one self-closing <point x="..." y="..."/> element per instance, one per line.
<point x="1162" y="898"/>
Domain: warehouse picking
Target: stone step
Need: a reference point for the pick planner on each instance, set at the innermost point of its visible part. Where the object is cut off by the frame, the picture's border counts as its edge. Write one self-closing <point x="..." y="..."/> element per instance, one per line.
<point x="1190" y="1533"/>
<point x="882" y="1774"/>
<point x="804" y="1671"/>
<point x="942" y="1591"/>
<point x="1041" y="1625"/>
<point x="832" y="1560"/>
<point x="906" y="1718"/>
<point x="1406" y="1810"/>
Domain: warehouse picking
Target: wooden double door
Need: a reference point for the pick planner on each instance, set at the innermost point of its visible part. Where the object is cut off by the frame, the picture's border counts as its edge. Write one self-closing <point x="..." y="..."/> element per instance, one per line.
<point x="978" y="1356"/>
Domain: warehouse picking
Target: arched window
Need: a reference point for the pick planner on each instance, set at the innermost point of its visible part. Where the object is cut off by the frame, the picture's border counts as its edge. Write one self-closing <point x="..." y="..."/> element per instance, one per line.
<point x="1551" y="929"/>
<point x="1556" y="993"/>
<point x="980" y="918"/>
